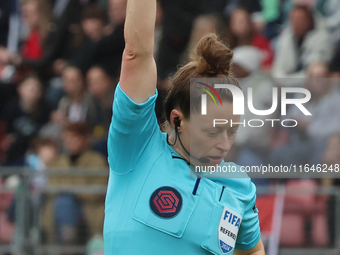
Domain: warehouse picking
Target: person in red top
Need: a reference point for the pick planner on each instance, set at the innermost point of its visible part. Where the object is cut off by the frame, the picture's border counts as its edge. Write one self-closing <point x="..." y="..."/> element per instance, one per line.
<point x="242" y="32"/>
<point x="32" y="48"/>
<point x="36" y="15"/>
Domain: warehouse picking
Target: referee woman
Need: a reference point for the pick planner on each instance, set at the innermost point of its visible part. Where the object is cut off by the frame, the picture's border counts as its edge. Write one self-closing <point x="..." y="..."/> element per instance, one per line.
<point x="152" y="205"/>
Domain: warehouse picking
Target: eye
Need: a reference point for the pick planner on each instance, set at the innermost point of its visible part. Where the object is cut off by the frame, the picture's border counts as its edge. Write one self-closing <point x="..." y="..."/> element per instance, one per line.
<point x="212" y="132"/>
<point x="232" y="132"/>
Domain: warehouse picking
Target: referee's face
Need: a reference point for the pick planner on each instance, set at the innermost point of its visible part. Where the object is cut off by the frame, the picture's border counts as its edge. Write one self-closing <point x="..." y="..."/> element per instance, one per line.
<point x="213" y="134"/>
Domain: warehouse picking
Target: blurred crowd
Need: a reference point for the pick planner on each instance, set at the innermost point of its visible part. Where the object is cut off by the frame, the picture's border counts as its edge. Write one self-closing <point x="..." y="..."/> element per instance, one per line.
<point x="60" y="63"/>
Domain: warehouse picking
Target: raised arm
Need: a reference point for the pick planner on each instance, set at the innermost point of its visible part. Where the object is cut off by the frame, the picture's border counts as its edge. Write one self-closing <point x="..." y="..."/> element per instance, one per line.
<point x="139" y="74"/>
<point x="134" y="134"/>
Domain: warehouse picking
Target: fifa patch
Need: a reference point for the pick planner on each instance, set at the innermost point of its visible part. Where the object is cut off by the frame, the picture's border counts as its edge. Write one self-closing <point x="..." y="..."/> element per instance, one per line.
<point x="166" y="202"/>
<point x="227" y="230"/>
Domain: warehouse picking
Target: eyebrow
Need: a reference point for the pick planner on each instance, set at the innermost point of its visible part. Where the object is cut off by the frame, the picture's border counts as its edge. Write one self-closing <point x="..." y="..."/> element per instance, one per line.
<point x="221" y="127"/>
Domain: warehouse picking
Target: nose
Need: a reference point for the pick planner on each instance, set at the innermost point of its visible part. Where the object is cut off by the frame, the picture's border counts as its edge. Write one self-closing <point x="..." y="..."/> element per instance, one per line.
<point x="224" y="143"/>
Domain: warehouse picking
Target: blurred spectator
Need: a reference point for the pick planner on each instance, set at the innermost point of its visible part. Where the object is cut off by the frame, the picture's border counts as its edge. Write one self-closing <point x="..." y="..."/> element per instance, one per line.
<point x="24" y="117"/>
<point x="328" y="11"/>
<point x="305" y="40"/>
<point x="307" y="139"/>
<point x="107" y="52"/>
<point x="70" y="211"/>
<point x="77" y="105"/>
<point x="61" y="30"/>
<point x="65" y="26"/>
<point x="44" y="152"/>
<point x="76" y="140"/>
<point x="37" y="15"/>
<point x="253" y="142"/>
<point x="102" y="89"/>
<point x="92" y="24"/>
<point x="242" y="33"/>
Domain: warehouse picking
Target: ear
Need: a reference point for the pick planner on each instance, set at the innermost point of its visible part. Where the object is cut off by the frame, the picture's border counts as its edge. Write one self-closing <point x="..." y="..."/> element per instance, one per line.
<point x="173" y="115"/>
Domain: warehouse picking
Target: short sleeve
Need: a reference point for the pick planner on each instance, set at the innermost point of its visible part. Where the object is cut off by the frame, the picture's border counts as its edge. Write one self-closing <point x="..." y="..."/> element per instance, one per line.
<point x="249" y="233"/>
<point x="132" y="131"/>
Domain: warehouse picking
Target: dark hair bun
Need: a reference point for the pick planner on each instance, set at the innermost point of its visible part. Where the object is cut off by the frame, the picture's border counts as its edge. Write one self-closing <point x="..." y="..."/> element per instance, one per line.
<point x="212" y="56"/>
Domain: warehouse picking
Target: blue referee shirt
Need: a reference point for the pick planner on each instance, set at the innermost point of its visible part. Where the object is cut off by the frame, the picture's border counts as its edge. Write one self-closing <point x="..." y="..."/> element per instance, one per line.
<point x="150" y="207"/>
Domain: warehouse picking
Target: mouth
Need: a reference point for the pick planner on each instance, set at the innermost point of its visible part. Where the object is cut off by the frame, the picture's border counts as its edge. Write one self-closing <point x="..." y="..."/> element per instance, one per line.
<point x="215" y="159"/>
